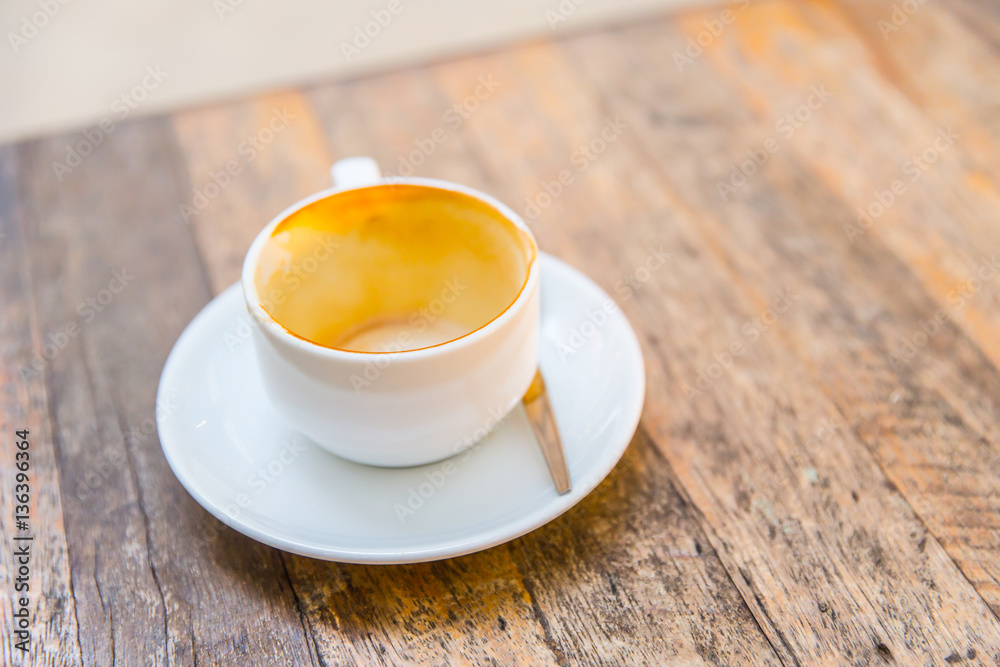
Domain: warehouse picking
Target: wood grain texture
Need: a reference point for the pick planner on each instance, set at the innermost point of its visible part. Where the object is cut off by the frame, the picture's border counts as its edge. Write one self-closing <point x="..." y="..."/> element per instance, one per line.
<point x="814" y="481"/>
<point x="823" y="533"/>
<point x="946" y="250"/>
<point x="246" y="163"/>
<point x="24" y="404"/>
<point x="981" y="17"/>
<point x="748" y="240"/>
<point x="154" y="582"/>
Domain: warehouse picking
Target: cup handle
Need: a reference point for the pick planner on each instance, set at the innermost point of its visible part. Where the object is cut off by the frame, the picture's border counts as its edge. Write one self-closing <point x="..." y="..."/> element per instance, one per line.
<point x="355" y="172"/>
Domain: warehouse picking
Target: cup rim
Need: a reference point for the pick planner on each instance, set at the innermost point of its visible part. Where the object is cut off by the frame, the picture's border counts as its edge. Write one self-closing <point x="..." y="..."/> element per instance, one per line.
<point x="276" y="329"/>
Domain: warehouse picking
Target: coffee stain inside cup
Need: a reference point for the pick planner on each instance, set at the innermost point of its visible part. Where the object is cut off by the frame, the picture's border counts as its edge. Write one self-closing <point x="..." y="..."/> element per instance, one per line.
<point x="392" y="267"/>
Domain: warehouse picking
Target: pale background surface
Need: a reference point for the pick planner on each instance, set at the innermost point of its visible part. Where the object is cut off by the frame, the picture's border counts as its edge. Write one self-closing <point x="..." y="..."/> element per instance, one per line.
<point x="70" y="72"/>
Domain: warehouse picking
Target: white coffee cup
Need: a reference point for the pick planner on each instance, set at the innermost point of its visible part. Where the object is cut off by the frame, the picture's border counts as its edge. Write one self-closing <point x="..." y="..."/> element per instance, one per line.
<point x="412" y="406"/>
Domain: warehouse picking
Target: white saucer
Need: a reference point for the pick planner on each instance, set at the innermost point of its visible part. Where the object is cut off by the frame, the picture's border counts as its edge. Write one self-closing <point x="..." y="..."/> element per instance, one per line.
<point x="220" y="436"/>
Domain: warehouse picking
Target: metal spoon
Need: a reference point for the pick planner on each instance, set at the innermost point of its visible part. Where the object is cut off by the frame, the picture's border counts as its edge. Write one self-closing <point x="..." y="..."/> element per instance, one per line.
<point x="543" y="423"/>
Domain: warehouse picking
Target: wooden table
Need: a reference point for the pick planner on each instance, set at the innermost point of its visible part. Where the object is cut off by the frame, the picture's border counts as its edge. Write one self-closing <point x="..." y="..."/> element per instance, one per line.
<point x="816" y="478"/>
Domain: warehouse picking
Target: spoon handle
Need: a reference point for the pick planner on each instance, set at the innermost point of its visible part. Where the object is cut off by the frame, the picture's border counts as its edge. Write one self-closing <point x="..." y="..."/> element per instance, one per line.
<point x="543" y="423"/>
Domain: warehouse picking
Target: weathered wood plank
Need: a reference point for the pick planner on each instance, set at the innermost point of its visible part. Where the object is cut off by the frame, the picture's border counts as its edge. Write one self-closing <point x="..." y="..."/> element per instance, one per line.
<point x="275" y="140"/>
<point x="804" y="549"/>
<point x="154" y="579"/>
<point x="945" y="471"/>
<point x="907" y="136"/>
<point x="526" y="136"/>
<point x="981" y="17"/>
<point x="664" y="598"/>
<point x="939" y="55"/>
<point x="24" y="405"/>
